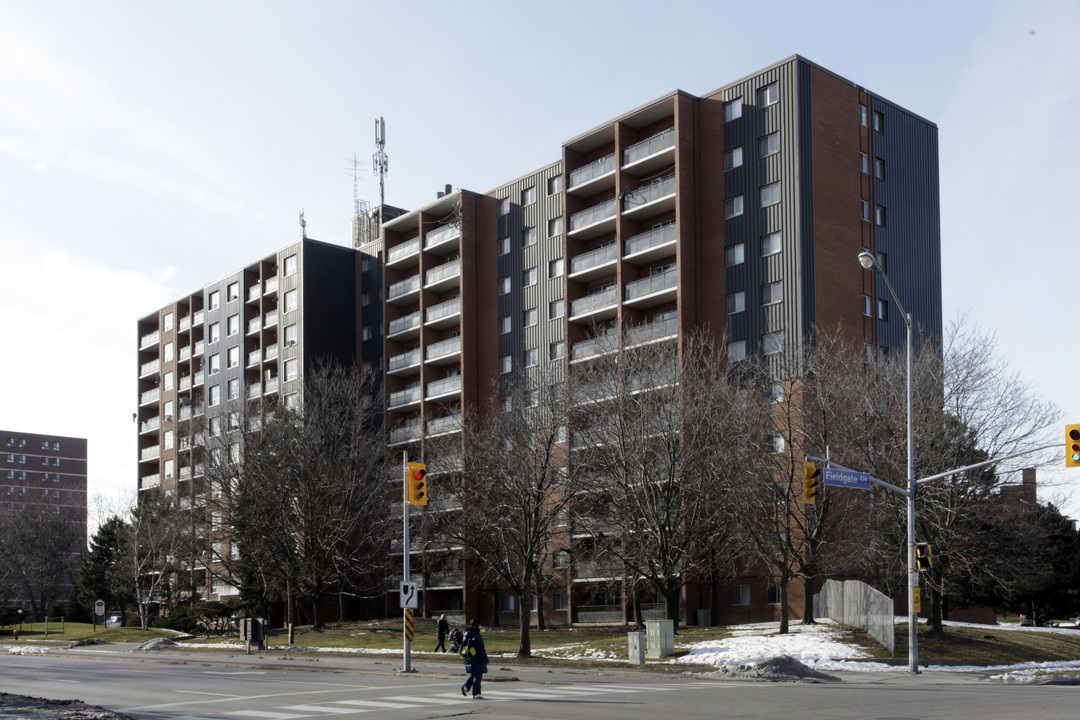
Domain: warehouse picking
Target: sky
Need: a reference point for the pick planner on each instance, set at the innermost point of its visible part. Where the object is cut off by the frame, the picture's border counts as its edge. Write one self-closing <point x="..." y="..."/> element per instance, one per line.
<point x="149" y="148"/>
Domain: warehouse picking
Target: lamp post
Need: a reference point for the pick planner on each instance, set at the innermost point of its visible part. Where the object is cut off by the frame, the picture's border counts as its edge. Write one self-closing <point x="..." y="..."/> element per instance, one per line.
<point x="869" y="262"/>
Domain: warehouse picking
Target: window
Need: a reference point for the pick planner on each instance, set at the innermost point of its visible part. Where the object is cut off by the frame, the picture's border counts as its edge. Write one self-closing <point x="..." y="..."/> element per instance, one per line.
<point x="736" y="351"/>
<point x="555" y="268"/>
<point x="772" y="293"/>
<point x="233" y="356"/>
<point x="215" y="426"/>
<point x="215" y="299"/>
<point x="733" y="158"/>
<point x="292" y="400"/>
<point x="736" y="302"/>
<point x="770" y="244"/>
<point x="234" y="389"/>
<point x="733" y="207"/>
<point x="291" y="370"/>
<point x="774" y="393"/>
<point x="769" y="144"/>
<point x="554" y="185"/>
<point x="56" y="447"/>
<point x="768" y="95"/>
<point x="864" y="163"/>
<point x="290" y="300"/>
<point x="772" y="594"/>
<point x="290" y="265"/>
<point x="369" y="333"/>
<point x="506" y="364"/>
<point x="560" y="559"/>
<point x="774" y="443"/>
<point x="232" y="325"/>
<point x="864" y="116"/>
<point x="528" y="236"/>
<point x="168" y="384"/>
<point x="772" y="343"/>
<point x="770" y="194"/>
<point x="504" y="246"/>
<point x="883" y="310"/>
<point x="215" y="395"/>
<point x="529" y="317"/>
<point x="740" y="594"/>
<point x="290" y="335"/>
<point x="168" y="354"/>
<point x="504" y="286"/>
<point x="528" y="277"/>
<point x="733" y="110"/>
<point x="879" y="168"/>
<point x="865" y="210"/>
<point x="532" y="357"/>
<point x="365" y="299"/>
<point x="867" y="306"/>
<point x="881" y="261"/>
<point x="879" y="122"/>
<point x="557" y="350"/>
<point x="868" y="353"/>
<point x="168" y="321"/>
<point x="504" y="207"/>
<point x="528" y="196"/>
<point x="234" y="420"/>
<point x="215" y="332"/>
<point x="215" y="363"/>
<point x="879" y="215"/>
<point x="232" y="292"/>
<point x="504" y="325"/>
<point x="555" y="226"/>
<point x="558" y="601"/>
<point x="556" y="308"/>
<point x="506" y="604"/>
<point x="735" y="255"/>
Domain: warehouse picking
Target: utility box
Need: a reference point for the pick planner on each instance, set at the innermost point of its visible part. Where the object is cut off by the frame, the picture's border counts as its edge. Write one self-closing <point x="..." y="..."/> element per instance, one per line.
<point x="660" y="636"/>
<point x="635" y="646"/>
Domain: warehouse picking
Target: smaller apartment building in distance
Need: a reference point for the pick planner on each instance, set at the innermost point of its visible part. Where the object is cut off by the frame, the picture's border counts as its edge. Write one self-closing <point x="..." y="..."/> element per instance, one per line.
<point x="215" y="357"/>
<point x="47" y="474"/>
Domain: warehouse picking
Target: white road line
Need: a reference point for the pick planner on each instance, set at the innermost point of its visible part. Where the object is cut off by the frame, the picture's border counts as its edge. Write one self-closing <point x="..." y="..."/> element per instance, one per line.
<point x="430" y="699"/>
<point x="237" y="672"/>
<point x="375" y="704"/>
<point x="196" y="692"/>
<point x="322" y="709"/>
<point x="267" y="715"/>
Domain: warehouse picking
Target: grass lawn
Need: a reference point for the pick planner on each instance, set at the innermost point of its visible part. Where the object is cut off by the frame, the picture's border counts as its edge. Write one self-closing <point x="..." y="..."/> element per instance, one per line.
<point x="73" y="632"/>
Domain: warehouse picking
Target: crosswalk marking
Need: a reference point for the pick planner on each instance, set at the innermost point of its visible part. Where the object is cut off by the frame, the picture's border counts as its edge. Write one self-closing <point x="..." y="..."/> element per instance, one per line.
<point x="445" y="699"/>
<point x="322" y="709"/>
<point x="376" y="703"/>
<point x="267" y="715"/>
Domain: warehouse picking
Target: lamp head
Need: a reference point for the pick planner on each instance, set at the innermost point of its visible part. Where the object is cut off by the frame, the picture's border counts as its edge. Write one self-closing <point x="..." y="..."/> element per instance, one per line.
<point x="867" y="260"/>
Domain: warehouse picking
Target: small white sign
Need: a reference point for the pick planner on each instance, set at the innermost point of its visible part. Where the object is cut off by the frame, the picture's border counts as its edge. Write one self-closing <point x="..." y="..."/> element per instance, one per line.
<point x="408" y="594"/>
<point x="99" y="607"/>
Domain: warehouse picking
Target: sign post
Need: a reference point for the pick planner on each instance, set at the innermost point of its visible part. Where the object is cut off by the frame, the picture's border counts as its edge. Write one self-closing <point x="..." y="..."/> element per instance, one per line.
<point x="99" y="609"/>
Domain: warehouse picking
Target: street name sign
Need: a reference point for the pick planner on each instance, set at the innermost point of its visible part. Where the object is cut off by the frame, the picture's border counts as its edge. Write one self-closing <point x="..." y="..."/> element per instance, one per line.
<point x="846" y="478"/>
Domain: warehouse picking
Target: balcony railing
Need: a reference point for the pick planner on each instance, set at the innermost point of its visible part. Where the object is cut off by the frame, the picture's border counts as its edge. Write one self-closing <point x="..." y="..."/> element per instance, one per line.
<point x="640" y="288"/>
<point x="404" y="287"/>
<point x="445" y="579"/>
<point x="199" y="378"/>
<point x="146" y="482"/>
<point x="185" y="383"/>
<point x="450" y="423"/>
<point x="653" y="238"/>
<point x="404" y="360"/>
<point x="149" y="396"/>
<point x="443" y="309"/>
<point x="198" y="318"/>
<point x="199" y="347"/>
<point x="271" y="352"/>
<point x="185" y="353"/>
<point x="404" y="250"/>
<point x="254" y="325"/>
<point x="254" y="292"/>
<point x="149" y="425"/>
<point x="270" y="320"/>
<point x="254" y="390"/>
<point x="254" y="357"/>
<point x="441" y="235"/>
<point x="405" y="433"/>
<point x="660" y="141"/>
<point x="149" y="368"/>
<point x="271" y="385"/>
<point x="595" y="169"/>
<point x="594" y="258"/>
<point x="185" y="323"/>
<point x="594" y="214"/>
<point x="442" y="272"/>
<point x="154" y="451"/>
<point x="408" y="322"/>
<point x="270" y="286"/>
<point x="652" y="331"/>
<point x="592" y="348"/>
<point x="442" y="348"/>
<point x="591" y="303"/>
<point x="653" y="191"/>
<point x="404" y="397"/>
<point x="443" y="387"/>
<point x="149" y="340"/>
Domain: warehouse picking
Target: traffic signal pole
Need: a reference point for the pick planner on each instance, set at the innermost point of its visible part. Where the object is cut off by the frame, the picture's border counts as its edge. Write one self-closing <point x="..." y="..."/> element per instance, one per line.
<point x="405" y="546"/>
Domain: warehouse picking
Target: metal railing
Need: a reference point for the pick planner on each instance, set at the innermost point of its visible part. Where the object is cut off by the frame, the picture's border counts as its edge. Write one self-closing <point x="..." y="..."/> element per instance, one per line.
<point x="442" y="272"/>
<point x="404" y="360"/>
<point x="592" y="348"/>
<point x="149" y="339"/>
<point x="658" y="142"/>
<point x="271" y="352"/>
<point x="594" y="214"/>
<point x="404" y="397"/>
<point x="404" y="250"/>
<point x="442" y="348"/>
<point x="149" y="396"/>
<point x="254" y="390"/>
<point x="152" y="424"/>
<point x="451" y="423"/>
<point x="270" y="319"/>
<point x="150" y="453"/>
<point x="594" y="258"/>
<point x="443" y="309"/>
<point x="589" y="303"/>
<point x="593" y="170"/>
<point x="651" y="239"/>
<point x="198" y="318"/>
<point x="442" y="387"/>
<point x="652" y="331"/>
<point x="409" y="285"/>
<point x="407" y="322"/>
<point x="653" y="191"/>
<point x="441" y="235"/>
<point x="185" y="323"/>
<point x="151" y="367"/>
<point x="654" y="284"/>
<point x="270" y="286"/>
<point x="405" y="433"/>
<point x="271" y="385"/>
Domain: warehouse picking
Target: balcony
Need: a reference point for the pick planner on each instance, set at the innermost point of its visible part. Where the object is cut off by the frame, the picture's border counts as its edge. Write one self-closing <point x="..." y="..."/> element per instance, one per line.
<point x="440" y="388"/>
<point x="595" y="263"/>
<point x="148" y="482"/>
<point x="271" y="385"/>
<point x="254" y="358"/>
<point x="650" y="200"/>
<point x="254" y="326"/>
<point x="405" y="433"/>
<point x="404" y="292"/>
<point x="443" y="425"/>
<point x="443" y="277"/>
<point x="185" y="324"/>
<point x="149" y="340"/>
<point x="254" y="390"/>
<point x="270" y="286"/>
<point x="592" y="348"/>
<point x="198" y="318"/>
<point x="254" y="293"/>
<point x="407" y="363"/>
<point x="185" y="353"/>
<point x="199" y="378"/>
<point x="652" y="245"/>
<point x="270" y="319"/>
<point x="650" y="155"/>
<point x="652" y="290"/>
<point x="151" y="453"/>
<point x="405" y="327"/>
<point x="403" y="399"/>
<point x="150" y="425"/>
<point x="270" y="353"/>
<point x="186" y="472"/>
<point x="594" y="221"/>
<point x="650" y="332"/>
<point x="404" y="255"/>
<point x="185" y="383"/>
<point x="150" y="368"/>
<point x="443" y="239"/>
<point x="443" y="352"/>
<point x="594" y="177"/>
<point x="199" y="347"/>
<point x="445" y="314"/>
<point x="150" y="396"/>
<point x="446" y="580"/>
<point x="598" y="306"/>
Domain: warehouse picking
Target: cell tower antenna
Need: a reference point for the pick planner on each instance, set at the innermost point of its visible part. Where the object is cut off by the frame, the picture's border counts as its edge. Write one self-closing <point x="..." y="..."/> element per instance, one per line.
<point x="355" y="184"/>
<point x="380" y="163"/>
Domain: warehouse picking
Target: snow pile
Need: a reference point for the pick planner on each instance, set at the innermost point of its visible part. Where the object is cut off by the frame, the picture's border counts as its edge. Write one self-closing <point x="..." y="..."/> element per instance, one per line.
<point x="26" y="650"/>
<point x="155" y="644"/>
<point x="782" y="667"/>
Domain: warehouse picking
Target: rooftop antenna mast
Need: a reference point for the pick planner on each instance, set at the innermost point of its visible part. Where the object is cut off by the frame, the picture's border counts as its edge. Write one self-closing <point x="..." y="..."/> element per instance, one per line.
<point x="379" y="161"/>
<point x="355" y="184"/>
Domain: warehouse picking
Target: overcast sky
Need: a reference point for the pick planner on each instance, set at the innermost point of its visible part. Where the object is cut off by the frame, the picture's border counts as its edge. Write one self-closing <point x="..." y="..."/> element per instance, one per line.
<point x="147" y="148"/>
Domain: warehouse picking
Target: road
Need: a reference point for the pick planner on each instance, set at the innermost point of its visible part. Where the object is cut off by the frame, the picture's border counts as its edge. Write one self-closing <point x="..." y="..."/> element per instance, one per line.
<point x="192" y="687"/>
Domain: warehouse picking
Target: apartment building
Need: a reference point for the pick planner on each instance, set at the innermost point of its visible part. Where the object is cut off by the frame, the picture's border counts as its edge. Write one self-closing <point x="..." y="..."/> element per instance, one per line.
<point x="743" y="210"/>
<point x="236" y="347"/>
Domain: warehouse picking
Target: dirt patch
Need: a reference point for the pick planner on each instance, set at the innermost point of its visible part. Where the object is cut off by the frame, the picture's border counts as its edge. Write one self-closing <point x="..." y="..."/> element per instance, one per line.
<point x="21" y="707"/>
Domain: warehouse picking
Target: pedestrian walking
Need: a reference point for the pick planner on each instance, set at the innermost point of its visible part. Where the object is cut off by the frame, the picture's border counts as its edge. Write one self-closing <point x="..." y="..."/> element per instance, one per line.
<point x="443" y="630"/>
<point x="476" y="659"/>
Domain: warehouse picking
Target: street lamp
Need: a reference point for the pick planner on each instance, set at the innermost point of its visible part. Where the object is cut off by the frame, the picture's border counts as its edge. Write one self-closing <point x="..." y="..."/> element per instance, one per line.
<point x="869" y="262"/>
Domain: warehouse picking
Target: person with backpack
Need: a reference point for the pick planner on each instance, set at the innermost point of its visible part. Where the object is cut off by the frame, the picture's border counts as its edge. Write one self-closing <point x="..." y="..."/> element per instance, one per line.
<point x="476" y="659"/>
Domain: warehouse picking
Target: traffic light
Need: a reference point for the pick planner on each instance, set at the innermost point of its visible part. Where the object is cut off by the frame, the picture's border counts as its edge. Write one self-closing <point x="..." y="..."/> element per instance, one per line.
<point x="1072" y="446"/>
<point x="924" y="556"/>
<point x="417" y="484"/>
<point x="811" y="473"/>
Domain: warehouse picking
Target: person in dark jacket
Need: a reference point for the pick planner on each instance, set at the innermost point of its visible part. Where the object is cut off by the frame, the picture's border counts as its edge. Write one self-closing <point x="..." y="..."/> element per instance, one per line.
<point x="476" y="666"/>
<point x="444" y="630"/>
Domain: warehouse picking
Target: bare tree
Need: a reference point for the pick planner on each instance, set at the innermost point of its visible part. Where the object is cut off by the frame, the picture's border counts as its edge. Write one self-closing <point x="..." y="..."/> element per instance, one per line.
<point x="150" y="544"/>
<point x="41" y="549"/>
